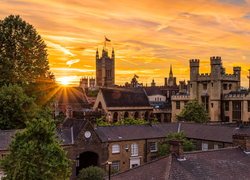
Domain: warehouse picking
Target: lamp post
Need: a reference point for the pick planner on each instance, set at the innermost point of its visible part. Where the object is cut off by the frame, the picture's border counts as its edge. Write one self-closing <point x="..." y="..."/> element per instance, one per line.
<point x="109" y="163"/>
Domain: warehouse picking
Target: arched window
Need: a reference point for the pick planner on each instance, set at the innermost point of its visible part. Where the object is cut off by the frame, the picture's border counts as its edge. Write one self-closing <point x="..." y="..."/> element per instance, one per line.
<point x="134" y="149"/>
<point x="115" y="148"/>
<point x="126" y="115"/>
<point x="115" y="117"/>
<point x="136" y="116"/>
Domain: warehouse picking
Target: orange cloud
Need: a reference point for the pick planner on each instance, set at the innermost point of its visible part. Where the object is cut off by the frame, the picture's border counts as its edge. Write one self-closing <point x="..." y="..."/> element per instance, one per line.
<point x="147" y="35"/>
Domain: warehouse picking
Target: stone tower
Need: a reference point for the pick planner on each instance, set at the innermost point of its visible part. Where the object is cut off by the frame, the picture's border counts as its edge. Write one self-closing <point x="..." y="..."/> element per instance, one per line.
<point x="194" y="73"/>
<point x="105" y="69"/>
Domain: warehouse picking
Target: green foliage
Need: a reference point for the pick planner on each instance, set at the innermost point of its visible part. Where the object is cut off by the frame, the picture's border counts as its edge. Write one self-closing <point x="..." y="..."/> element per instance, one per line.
<point x="164" y="148"/>
<point x="126" y="121"/>
<point x="16" y="108"/>
<point x="92" y="93"/>
<point x="23" y="55"/>
<point x="193" y="111"/>
<point x="60" y="118"/>
<point x="91" y="173"/>
<point x="35" y="153"/>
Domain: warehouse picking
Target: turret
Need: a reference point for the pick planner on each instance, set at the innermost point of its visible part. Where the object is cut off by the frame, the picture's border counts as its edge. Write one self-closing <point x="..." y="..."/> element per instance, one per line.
<point x="153" y="83"/>
<point x="237" y="72"/>
<point x="194" y="69"/>
<point x="216" y="67"/>
<point x="171" y="72"/>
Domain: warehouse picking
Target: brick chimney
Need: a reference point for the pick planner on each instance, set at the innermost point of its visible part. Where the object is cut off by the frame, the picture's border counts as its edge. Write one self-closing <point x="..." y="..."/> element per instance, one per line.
<point x="242" y="140"/>
<point x="176" y="149"/>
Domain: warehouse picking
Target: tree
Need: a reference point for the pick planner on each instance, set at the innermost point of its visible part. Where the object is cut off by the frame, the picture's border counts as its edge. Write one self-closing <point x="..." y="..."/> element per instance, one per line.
<point x="91" y="173"/>
<point x="193" y="111"/>
<point x="164" y="148"/>
<point x="23" y="55"/>
<point x="16" y="108"/>
<point x="35" y="153"/>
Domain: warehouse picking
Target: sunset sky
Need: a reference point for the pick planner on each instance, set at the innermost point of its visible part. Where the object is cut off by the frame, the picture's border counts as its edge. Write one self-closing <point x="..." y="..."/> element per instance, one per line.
<point x="147" y="35"/>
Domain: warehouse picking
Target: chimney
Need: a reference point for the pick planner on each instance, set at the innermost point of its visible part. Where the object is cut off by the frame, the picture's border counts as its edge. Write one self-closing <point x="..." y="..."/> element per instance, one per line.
<point x="242" y="140"/>
<point x="176" y="149"/>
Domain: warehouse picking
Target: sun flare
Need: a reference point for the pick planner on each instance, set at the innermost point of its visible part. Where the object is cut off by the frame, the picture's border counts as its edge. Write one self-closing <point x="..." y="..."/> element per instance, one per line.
<point x="64" y="81"/>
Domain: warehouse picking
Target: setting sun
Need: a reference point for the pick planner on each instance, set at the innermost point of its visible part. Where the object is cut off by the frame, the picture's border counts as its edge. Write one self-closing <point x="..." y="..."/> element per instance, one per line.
<point x="65" y="80"/>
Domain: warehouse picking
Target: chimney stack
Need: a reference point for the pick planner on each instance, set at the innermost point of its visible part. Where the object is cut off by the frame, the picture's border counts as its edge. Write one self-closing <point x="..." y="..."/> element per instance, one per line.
<point x="242" y="140"/>
<point x="176" y="149"/>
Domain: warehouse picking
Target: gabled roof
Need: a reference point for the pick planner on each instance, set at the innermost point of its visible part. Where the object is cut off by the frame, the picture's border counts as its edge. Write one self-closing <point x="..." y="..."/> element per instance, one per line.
<point x="122" y="97"/>
<point x="72" y="95"/>
<point x="227" y="163"/>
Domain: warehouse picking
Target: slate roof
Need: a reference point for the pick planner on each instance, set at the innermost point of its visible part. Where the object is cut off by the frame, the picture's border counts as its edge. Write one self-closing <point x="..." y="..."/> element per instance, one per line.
<point x="155" y="170"/>
<point x="72" y="95"/>
<point x="230" y="163"/>
<point x="6" y="136"/>
<point x="227" y="163"/>
<point x="150" y="91"/>
<point x="123" y="97"/>
<point x="217" y="133"/>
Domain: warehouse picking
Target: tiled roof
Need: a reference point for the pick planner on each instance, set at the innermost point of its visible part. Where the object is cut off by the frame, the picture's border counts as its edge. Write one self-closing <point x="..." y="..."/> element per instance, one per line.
<point x="222" y="164"/>
<point x="122" y="97"/>
<point x="155" y="170"/>
<point x="230" y="163"/>
<point x="191" y="130"/>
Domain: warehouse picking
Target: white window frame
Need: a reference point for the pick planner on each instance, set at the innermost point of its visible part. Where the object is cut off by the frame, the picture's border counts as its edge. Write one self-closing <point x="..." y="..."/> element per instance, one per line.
<point x="204" y="146"/>
<point x="153" y="146"/>
<point x="216" y="146"/>
<point x="115" y="148"/>
<point x="115" y="166"/>
<point x="134" y="149"/>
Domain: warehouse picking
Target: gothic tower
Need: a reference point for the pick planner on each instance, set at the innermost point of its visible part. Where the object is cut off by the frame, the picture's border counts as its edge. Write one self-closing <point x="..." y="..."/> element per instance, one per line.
<point x="105" y="68"/>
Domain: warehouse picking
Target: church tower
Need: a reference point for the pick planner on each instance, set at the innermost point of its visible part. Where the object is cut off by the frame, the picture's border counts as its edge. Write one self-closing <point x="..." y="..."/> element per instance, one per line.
<point x="105" y="68"/>
<point x="171" y="79"/>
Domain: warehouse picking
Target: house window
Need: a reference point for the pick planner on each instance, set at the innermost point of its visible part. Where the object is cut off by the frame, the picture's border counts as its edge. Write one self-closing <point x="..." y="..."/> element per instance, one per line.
<point x="115" y="166"/>
<point x="115" y="148"/>
<point x="248" y="106"/>
<point x="178" y="105"/>
<point x="226" y="106"/>
<point x="204" y="86"/>
<point x="153" y="146"/>
<point x="216" y="146"/>
<point x="134" y="149"/>
<point x="204" y="146"/>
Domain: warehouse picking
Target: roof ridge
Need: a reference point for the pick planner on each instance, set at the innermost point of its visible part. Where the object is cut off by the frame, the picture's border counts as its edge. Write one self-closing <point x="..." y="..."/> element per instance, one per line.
<point x="212" y="150"/>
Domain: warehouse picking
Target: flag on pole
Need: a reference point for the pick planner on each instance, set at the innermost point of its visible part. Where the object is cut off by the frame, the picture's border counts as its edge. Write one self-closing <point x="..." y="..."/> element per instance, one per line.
<point x="106" y="39"/>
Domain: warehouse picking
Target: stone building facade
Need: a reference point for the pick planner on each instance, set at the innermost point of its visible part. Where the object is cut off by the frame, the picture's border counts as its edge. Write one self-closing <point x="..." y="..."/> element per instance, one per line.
<point x="121" y="103"/>
<point x="208" y="89"/>
<point x="105" y="68"/>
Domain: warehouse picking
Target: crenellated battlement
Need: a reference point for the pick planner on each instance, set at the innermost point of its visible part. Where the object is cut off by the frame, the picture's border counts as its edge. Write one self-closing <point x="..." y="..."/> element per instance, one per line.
<point x="236" y="68"/>
<point x="215" y="60"/>
<point x="229" y="77"/>
<point x="194" y="62"/>
<point x="204" y="77"/>
<point x="180" y="97"/>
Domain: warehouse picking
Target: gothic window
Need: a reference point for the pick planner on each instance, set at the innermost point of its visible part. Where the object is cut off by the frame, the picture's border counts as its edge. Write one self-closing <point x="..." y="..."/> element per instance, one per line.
<point x="230" y="86"/>
<point x="126" y="115"/>
<point x="204" y="86"/>
<point x="225" y="86"/>
<point x="227" y="106"/>
<point x="178" y="104"/>
<point x="115" y="117"/>
<point x="236" y="110"/>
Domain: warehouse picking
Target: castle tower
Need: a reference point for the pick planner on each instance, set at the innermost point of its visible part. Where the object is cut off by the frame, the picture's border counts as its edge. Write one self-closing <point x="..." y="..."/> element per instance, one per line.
<point x="105" y="69"/>
<point x="194" y="73"/>
<point x="237" y="73"/>
<point x="84" y="82"/>
<point x="216" y="67"/>
<point x="153" y="83"/>
<point x="92" y="82"/>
